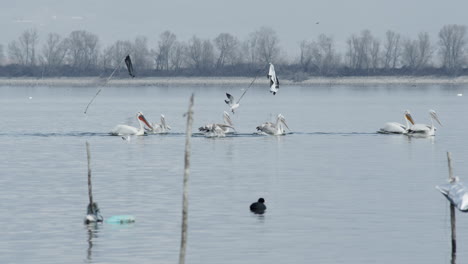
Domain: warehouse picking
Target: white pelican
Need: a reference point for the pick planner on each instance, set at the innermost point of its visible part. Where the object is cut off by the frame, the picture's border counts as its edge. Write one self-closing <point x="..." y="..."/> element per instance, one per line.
<point x="125" y="130"/>
<point x="214" y="130"/>
<point x="274" y="82"/>
<point x="423" y="129"/>
<point x="218" y="130"/>
<point x="228" y="121"/>
<point x="161" y="128"/>
<point x="276" y="128"/>
<point x="397" y="128"/>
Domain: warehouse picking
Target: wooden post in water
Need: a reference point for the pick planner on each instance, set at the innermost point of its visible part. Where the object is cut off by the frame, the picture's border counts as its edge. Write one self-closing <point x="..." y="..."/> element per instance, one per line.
<point x="452" y="209"/>
<point x="90" y="188"/>
<point x="183" y="241"/>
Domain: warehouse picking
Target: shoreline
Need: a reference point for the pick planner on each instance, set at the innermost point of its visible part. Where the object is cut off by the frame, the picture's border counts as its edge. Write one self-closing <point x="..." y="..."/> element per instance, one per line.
<point x="227" y="81"/>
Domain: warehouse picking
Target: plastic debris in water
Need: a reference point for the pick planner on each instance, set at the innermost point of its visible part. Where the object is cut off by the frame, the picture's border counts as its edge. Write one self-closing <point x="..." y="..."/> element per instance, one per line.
<point x="456" y="193"/>
<point x="459" y="94"/>
<point x="120" y="219"/>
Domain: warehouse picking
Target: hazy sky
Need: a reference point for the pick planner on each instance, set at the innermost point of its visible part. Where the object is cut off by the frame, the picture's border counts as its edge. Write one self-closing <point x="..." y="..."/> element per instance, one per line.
<point x="293" y="20"/>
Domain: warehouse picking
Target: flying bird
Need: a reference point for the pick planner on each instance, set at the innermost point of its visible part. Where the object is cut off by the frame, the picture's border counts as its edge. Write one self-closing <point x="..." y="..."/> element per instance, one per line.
<point x="274" y="82"/>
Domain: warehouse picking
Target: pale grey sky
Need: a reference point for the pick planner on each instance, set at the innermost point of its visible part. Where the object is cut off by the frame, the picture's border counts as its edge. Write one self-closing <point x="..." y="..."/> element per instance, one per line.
<point x="293" y="20"/>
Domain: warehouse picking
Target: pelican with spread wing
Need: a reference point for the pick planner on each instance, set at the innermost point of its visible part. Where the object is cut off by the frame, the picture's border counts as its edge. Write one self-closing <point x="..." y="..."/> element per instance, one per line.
<point x="161" y="128"/>
<point x="218" y="130"/>
<point x="275" y="129"/>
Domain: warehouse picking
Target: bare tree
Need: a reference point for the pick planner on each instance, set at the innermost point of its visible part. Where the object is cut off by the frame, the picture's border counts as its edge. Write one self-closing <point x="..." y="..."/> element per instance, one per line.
<point x="392" y="47"/>
<point x="23" y="51"/>
<point x="416" y="54"/>
<point x="452" y="42"/>
<point x="141" y="54"/>
<point x="227" y="46"/>
<point x="361" y="51"/>
<point x="2" y="55"/>
<point x="165" y="44"/>
<point x="177" y="57"/>
<point x="249" y="52"/>
<point x="194" y="52"/>
<point x="425" y="50"/>
<point x="325" y="57"/>
<point x="117" y="52"/>
<point x="84" y="50"/>
<point x="375" y="55"/>
<point x="208" y="56"/>
<point x="54" y="51"/>
<point x="409" y="55"/>
<point x="305" y="56"/>
<point x="267" y="45"/>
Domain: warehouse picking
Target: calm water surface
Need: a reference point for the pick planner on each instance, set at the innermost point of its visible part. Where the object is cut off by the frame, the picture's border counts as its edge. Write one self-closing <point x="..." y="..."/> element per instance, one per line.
<point x="336" y="191"/>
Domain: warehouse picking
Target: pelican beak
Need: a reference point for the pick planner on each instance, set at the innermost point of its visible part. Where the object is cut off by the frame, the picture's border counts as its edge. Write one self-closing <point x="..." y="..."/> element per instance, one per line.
<point x="142" y="118"/>
<point x="409" y="118"/>
<point x="436" y="118"/>
<point x="284" y="122"/>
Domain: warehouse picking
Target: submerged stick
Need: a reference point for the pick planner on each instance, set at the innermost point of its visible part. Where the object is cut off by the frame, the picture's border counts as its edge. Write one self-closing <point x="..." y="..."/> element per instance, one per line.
<point x="452" y="209"/>
<point x="183" y="242"/>
<point x="90" y="188"/>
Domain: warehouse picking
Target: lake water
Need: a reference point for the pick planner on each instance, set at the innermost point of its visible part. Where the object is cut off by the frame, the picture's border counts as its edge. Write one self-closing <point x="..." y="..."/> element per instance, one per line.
<point x="336" y="191"/>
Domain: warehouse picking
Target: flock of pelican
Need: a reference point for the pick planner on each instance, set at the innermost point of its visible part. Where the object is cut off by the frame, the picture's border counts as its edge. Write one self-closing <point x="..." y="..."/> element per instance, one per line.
<point x="268" y="128"/>
<point x="411" y="128"/>
<point x="213" y="129"/>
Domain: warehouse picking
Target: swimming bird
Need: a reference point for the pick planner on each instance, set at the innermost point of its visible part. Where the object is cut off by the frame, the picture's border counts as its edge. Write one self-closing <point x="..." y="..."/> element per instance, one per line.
<point x="124" y="130"/>
<point x="161" y="128"/>
<point x="456" y="193"/>
<point x="93" y="214"/>
<point x="423" y="129"/>
<point x="218" y="130"/>
<point x="274" y="82"/>
<point x="258" y="207"/>
<point x="227" y="121"/>
<point x="276" y="128"/>
<point x="397" y="128"/>
<point x="214" y="130"/>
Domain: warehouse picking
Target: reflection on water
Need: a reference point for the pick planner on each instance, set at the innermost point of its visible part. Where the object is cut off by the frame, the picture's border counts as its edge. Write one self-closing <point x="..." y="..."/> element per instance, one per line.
<point x="93" y="233"/>
<point x="332" y="183"/>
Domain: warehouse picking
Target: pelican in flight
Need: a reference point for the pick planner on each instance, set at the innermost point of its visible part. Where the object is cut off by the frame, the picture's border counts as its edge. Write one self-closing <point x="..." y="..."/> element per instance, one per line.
<point x="274" y="82"/>
<point x="276" y="128"/>
<point x="161" y="128"/>
<point x="218" y="130"/>
<point x="423" y="129"/>
<point x="397" y="128"/>
<point x="125" y="130"/>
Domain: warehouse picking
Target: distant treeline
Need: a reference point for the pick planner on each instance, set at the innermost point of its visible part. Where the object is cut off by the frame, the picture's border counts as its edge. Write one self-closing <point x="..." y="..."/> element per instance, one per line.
<point x="80" y="54"/>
